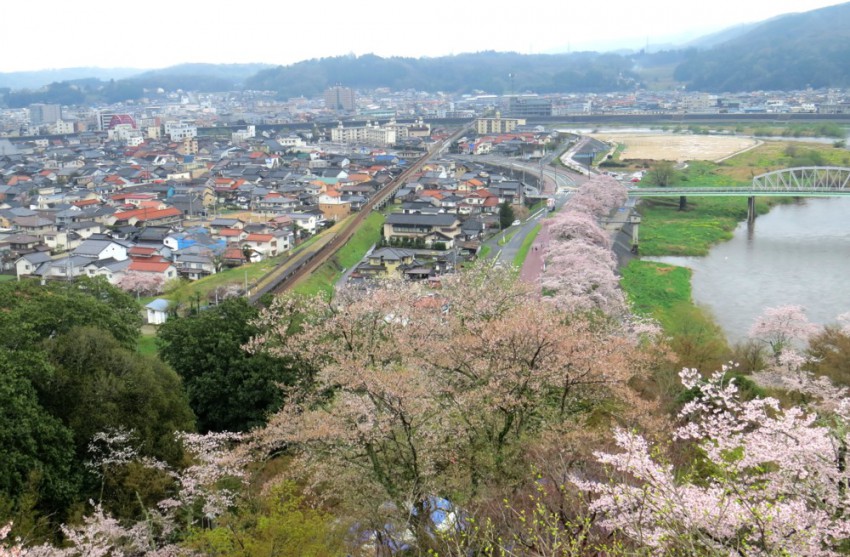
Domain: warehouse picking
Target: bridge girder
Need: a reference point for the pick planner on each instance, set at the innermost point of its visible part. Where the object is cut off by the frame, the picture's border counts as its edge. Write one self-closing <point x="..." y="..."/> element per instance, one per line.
<point x="803" y="179"/>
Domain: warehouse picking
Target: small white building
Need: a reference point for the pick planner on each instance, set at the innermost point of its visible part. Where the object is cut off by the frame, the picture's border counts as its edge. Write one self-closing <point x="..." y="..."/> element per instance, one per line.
<point x="157" y="311"/>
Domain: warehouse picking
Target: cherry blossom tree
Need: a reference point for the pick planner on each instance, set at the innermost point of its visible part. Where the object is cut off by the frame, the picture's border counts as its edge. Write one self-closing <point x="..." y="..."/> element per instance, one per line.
<point x="13" y="549"/>
<point x="141" y="284"/>
<point x="580" y="277"/>
<point x="574" y="225"/>
<point x="780" y="327"/>
<point x="772" y="481"/>
<point x="420" y="392"/>
<point x="598" y="196"/>
<point x="579" y="274"/>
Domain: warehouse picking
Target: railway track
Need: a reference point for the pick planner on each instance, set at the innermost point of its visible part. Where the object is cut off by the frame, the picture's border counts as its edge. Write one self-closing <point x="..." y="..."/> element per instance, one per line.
<point x="292" y="270"/>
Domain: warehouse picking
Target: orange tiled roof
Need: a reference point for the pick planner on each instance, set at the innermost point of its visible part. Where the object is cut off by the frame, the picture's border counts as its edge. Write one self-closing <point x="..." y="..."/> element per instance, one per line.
<point x="436" y="194"/>
<point x="259" y="238"/>
<point x="148" y="266"/>
<point x="149" y="214"/>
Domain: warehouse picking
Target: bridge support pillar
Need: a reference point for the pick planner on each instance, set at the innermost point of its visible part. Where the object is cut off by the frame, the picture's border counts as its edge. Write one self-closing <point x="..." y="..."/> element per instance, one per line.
<point x="635" y="227"/>
<point x="751" y="209"/>
<point x="683" y="202"/>
<point x="634" y="220"/>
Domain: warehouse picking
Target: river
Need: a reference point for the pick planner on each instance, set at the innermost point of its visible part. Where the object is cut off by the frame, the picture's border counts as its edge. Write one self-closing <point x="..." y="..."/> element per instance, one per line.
<point x="796" y="254"/>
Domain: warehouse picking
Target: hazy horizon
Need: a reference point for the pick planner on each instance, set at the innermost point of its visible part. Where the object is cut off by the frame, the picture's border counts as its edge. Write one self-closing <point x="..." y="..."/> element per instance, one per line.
<point x="276" y="34"/>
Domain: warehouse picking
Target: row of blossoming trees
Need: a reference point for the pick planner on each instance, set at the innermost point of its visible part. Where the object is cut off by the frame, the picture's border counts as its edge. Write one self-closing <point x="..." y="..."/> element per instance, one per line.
<point x="466" y="421"/>
<point x="580" y="266"/>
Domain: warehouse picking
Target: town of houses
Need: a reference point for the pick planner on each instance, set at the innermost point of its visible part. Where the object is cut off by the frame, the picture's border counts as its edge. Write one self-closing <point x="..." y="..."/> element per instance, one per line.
<point x="179" y="205"/>
<point x="135" y="194"/>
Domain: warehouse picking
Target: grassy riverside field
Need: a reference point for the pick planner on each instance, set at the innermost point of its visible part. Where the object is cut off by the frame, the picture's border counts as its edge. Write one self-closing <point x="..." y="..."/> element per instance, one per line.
<point x="663" y="291"/>
<point x="665" y="230"/>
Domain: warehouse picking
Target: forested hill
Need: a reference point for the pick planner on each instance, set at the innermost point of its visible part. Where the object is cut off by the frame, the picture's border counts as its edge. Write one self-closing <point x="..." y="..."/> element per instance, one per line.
<point x="794" y="51"/>
<point x="493" y="72"/>
<point x="790" y="52"/>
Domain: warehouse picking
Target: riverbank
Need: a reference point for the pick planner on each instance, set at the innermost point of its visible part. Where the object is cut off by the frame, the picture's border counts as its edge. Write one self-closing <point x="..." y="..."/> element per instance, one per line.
<point x="659" y="292"/>
<point x="794" y="255"/>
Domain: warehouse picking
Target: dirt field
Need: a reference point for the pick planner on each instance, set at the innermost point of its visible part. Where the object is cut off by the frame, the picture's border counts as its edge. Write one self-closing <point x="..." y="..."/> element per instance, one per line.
<point x="678" y="147"/>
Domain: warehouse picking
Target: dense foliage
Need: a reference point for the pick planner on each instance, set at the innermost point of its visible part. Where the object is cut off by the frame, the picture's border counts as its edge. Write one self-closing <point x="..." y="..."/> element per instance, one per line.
<point x="93" y="90"/>
<point x="486" y="71"/>
<point x="68" y="370"/>
<point x="812" y="52"/>
<point x="228" y="388"/>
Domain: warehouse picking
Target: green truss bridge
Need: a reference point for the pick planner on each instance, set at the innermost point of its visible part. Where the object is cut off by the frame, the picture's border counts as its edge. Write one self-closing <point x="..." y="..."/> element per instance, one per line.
<point x="804" y="181"/>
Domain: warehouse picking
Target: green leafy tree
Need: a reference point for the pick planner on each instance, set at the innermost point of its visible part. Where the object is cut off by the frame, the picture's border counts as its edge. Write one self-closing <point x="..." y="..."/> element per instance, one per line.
<point x="506" y="215"/>
<point x="829" y="354"/>
<point x="34" y="312"/>
<point x="280" y="523"/>
<point x="662" y="174"/>
<point x="228" y="388"/>
<point x="37" y="450"/>
<point x="69" y="370"/>
<point x="100" y="385"/>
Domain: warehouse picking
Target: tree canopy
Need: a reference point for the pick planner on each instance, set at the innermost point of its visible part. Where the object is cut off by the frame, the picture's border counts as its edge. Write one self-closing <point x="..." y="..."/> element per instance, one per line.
<point x="228" y="388"/>
<point x="69" y="370"/>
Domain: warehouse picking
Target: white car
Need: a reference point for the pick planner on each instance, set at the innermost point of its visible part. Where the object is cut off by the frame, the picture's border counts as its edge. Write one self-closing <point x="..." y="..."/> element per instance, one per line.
<point x="516" y="223"/>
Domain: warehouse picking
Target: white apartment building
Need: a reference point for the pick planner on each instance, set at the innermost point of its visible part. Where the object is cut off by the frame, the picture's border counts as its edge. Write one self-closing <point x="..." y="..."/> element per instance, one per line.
<point x="61" y="127"/>
<point x="367" y="135"/>
<point x="178" y="131"/>
<point x="240" y="136"/>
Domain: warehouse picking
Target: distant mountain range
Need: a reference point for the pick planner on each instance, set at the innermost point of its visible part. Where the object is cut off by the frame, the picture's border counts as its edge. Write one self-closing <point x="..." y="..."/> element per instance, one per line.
<point x="793" y="51"/>
<point x="36" y="79"/>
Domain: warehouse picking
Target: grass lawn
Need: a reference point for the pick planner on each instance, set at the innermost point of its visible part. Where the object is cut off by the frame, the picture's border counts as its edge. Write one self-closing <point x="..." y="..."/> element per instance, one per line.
<point x="507" y="237"/>
<point x="665" y="230"/>
<point x="664" y="293"/>
<point x="326" y="276"/>
<point x="366" y="236"/>
<point x="147" y="344"/>
<point x="776" y="155"/>
<point x="322" y="280"/>
<point x="654" y="288"/>
<point x="7" y="278"/>
<point x="519" y="259"/>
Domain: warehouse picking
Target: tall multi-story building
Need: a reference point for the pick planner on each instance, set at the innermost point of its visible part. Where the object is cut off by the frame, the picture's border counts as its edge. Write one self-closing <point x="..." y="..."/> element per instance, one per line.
<point x="497" y="125"/>
<point x="528" y="106"/>
<point x="340" y="99"/>
<point x="44" y="113"/>
<point x="108" y="120"/>
<point x="61" y="127"/>
<point x="103" y="120"/>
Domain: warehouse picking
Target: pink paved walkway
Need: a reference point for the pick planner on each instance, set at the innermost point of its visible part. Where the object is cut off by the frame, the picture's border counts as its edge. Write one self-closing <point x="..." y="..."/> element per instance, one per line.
<point x="533" y="265"/>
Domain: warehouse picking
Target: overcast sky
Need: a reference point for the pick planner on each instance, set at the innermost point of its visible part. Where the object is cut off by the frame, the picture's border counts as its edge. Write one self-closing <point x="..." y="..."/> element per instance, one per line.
<point x="160" y="33"/>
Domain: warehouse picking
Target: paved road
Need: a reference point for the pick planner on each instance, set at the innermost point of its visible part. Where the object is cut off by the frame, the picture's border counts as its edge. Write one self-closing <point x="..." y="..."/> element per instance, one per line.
<point x="506" y="254"/>
<point x="534" y="263"/>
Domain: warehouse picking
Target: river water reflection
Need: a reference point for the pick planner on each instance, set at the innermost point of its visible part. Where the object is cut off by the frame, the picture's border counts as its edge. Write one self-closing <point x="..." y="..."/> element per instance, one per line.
<point x="796" y="254"/>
